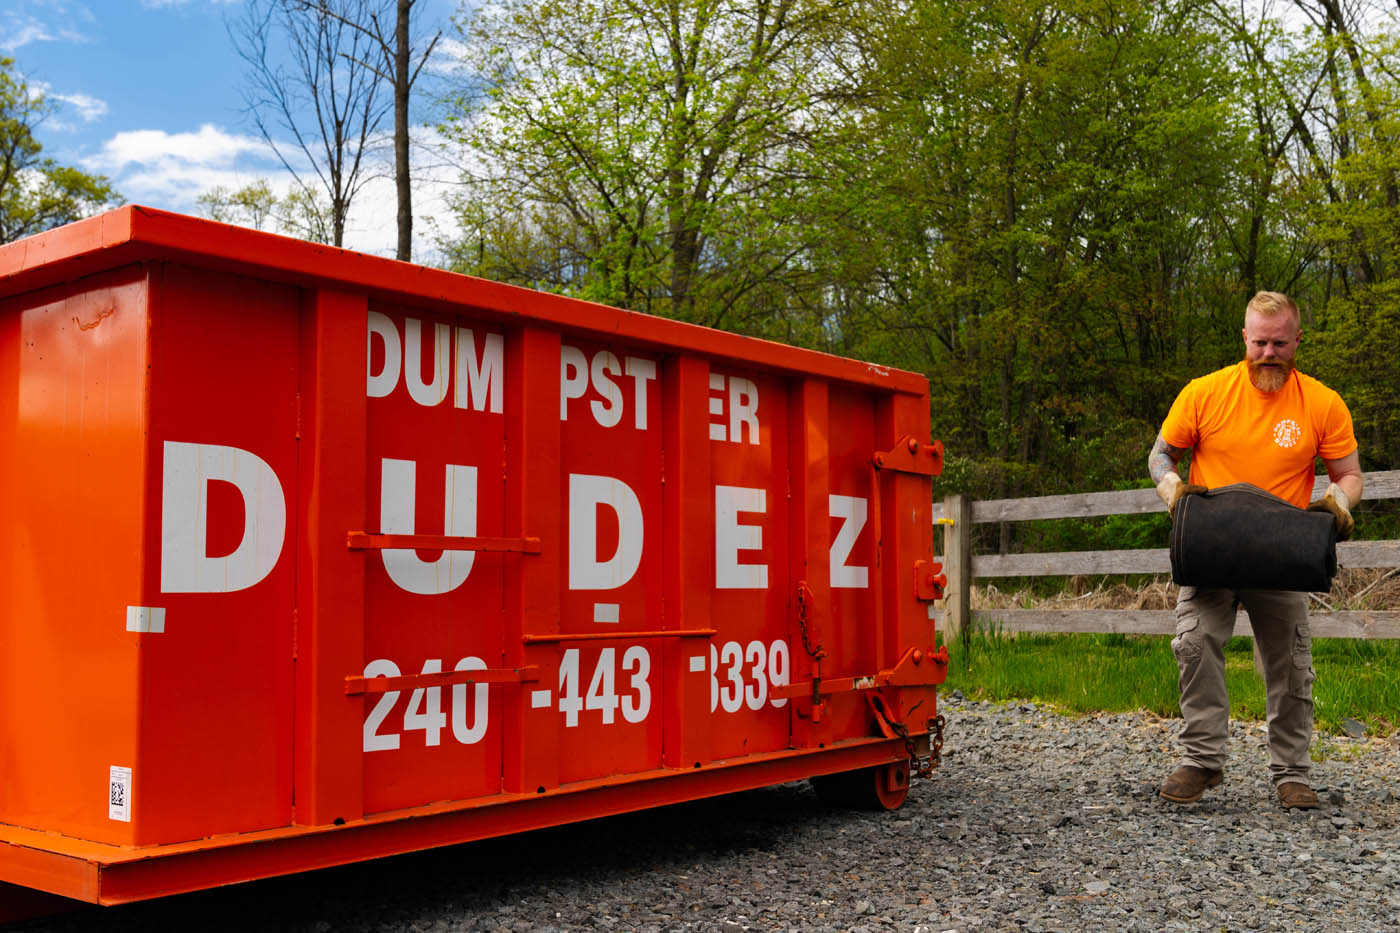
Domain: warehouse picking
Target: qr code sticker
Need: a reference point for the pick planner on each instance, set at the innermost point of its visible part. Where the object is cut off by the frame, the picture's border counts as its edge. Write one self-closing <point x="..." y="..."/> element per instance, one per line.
<point x="119" y="794"/>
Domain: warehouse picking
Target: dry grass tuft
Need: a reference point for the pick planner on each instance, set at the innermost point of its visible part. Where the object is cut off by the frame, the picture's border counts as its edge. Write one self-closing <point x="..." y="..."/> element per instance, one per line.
<point x="1352" y="589"/>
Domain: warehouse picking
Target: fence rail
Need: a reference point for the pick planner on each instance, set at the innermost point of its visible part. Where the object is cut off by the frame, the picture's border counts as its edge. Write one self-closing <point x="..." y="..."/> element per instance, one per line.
<point x="957" y="515"/>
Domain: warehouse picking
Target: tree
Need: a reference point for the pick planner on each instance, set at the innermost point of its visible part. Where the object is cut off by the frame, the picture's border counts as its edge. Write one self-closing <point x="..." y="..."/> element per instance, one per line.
<point x="249" y="206"/>
<point x="37" y="193"/>
<point x="653" y="154"/>
<point x="319" y="91"/>
<point x="1355" y="220"/>
<point x="398" y="70"/>
<point x="301" y="213"/>
<point x="1028" y="191"/>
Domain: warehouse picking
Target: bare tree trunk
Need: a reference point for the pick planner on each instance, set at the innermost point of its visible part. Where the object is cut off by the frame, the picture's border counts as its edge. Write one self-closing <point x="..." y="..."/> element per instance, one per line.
<point x="400" y="73"/>
<point x="403" y="83"/>
<point x="326" y="101"/>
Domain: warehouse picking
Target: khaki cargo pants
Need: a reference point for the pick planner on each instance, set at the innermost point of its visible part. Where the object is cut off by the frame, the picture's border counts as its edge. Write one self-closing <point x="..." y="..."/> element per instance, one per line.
<point x="1205" y="619"/>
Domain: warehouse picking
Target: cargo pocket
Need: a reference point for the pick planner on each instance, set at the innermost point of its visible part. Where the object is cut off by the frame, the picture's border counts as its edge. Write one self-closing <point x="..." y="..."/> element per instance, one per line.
<point x="1301" y="677"/>
<point x="1187" y="643"/>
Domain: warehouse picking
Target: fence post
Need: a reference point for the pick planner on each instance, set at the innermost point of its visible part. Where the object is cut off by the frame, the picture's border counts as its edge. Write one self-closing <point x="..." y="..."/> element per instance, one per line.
<point x="957" y="566"/>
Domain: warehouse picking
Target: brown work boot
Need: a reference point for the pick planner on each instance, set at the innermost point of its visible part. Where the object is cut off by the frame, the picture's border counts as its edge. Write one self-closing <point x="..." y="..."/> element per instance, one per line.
<point x="1187" y="783"/>
<point x="1295" y="795"/>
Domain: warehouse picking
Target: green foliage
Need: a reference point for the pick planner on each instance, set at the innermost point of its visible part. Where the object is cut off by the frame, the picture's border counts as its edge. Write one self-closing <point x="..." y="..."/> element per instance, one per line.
<point x="302" y="212"/>
<point x="1116" y="673"/>
<point x="249" y="206"/>
<point x="1026" y="218"/>
<point x="1056" y="211"/>
<point x="37" y="193"/>
<point x="652" y="155"/>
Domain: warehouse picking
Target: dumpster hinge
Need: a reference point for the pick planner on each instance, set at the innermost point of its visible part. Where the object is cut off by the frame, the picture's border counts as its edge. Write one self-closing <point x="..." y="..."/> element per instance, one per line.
<point x="930" y="742"/>
<point x="911" y="455"/>
<point x="929" y="580"/>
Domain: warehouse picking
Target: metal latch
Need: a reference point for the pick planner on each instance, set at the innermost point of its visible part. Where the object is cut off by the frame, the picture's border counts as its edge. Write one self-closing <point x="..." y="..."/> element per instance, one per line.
<point x="365" y="541"/>
<point x="929" y="580"/>
<point x="911" y="456"/>
<point x="356" y="686"/>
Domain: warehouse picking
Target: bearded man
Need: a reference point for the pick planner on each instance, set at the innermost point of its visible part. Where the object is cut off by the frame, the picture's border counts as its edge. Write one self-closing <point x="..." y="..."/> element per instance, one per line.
<point x="1262" y="422"/>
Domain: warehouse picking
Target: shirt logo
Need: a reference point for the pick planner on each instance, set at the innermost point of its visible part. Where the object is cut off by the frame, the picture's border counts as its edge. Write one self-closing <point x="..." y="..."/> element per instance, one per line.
<point x="1287" y="433"/>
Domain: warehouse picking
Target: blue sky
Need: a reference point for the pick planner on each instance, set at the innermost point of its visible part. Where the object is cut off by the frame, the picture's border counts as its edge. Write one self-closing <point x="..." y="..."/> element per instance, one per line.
<point x="150" y="95"/>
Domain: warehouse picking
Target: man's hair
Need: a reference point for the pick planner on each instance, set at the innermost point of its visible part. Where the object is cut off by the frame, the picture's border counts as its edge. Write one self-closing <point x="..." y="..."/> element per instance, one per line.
<point x="1268" y="304"/>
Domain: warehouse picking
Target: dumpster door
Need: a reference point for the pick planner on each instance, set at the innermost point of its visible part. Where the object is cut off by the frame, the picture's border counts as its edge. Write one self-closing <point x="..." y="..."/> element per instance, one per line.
<point x="435" y="432"/>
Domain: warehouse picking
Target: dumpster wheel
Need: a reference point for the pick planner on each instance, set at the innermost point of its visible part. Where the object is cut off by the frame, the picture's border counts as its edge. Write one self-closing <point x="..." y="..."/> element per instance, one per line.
<point x="883" y="787"/>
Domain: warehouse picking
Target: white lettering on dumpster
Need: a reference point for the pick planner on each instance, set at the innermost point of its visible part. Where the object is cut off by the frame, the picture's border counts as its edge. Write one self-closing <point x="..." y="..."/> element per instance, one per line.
<point x="577" y="372"/>
<point x="397" y="504"/>
<point x="855" y="511"/>
<point x="470" y="717"/>
<point x="731" y="537"/>
<point x="185" y="566"/>
<point x="432" y="391"/>
<point x="766" y="664"/>
<point x="741" y="402"/>
<point x="602" y="695"/>
<point x="476" y="373"/>
<point x="586" y="495"/>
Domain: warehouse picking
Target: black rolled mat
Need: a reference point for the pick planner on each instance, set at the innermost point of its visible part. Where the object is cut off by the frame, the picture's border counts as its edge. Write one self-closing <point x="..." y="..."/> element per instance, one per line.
<point x="1241" y="537"/>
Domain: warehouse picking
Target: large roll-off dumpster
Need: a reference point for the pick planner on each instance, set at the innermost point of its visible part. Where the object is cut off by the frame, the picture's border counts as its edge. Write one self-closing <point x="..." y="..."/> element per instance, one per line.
<point x="308" y="556"/>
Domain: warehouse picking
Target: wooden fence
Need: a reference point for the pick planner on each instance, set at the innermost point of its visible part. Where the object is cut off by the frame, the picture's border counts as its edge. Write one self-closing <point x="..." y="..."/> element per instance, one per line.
<point x="958" y="514"/>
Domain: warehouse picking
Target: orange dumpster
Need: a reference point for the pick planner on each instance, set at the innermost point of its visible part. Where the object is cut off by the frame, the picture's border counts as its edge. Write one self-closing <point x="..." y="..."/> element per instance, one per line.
<point x="308" y="556"/>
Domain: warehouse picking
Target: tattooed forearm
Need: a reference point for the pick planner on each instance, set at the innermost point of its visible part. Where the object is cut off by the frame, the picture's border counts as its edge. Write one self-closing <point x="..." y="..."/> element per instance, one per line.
<point x="1163" y="459"/>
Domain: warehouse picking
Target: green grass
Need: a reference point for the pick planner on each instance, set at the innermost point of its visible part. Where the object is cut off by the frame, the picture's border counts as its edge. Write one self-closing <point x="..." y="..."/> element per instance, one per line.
<point x="1115" y="673"/>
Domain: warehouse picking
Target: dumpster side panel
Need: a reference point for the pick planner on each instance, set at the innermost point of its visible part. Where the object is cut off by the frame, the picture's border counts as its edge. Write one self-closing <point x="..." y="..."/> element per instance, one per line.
<point x="751" y="593"/>
<point x="854" y="554"/>
<point x="72" y="419"/>
<point x="604" y="692"/>
<point x="216" y="729"/>
<point x="434" y="466"/>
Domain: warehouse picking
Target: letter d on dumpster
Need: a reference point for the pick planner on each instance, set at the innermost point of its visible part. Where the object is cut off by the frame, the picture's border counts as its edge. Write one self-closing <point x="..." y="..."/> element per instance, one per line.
<point x="184" y="564"/>
<point x="586" y="494"/>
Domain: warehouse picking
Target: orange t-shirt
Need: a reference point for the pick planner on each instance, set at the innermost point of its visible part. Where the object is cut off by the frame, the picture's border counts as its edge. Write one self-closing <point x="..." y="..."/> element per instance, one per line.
<point x="1269" y="439"/>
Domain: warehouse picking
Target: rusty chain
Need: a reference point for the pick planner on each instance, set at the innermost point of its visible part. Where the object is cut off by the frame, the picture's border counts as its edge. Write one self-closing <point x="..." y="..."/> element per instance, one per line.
<point x="922" y="766"/>
<point x="804" y="593"/>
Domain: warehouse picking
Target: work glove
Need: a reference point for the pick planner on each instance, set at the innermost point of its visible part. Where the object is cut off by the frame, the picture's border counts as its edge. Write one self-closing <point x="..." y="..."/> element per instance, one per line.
<point x="1336" y="502"/>
<point x="1171" y="489"/>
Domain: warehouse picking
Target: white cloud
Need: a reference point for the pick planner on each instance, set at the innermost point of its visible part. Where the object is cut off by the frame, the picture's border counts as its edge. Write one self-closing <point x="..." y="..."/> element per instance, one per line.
<point x="209" y="147"/>
<point x="167" y="4"/>
<point x="29" y="21"/>
<point x="23" y="32"/>
<point x="448" y="58"/>
<point x="171" y="170"/>
<point x="88" y="108"/>
<point x="373" y="223"/>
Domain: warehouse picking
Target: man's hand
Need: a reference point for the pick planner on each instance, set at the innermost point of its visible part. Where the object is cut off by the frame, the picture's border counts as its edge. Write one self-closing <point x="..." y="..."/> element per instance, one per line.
<point x="1171" y="490"/>
<point x="1336" y="502"/>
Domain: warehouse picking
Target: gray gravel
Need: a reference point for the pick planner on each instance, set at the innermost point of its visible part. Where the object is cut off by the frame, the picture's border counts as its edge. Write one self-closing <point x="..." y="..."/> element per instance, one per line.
<point x="1034" y="822"/>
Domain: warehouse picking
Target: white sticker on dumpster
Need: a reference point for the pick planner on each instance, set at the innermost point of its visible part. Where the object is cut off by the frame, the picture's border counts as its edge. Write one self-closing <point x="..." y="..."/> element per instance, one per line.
<point x="145" y="619"/>
<point x="119" y="794"/>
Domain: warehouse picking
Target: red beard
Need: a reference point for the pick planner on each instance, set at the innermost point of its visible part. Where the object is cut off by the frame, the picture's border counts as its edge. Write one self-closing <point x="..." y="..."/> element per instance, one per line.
<point x="1270" y="376"/>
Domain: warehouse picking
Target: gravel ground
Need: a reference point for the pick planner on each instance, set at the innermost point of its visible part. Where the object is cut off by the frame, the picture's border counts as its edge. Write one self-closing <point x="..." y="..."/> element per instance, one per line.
<point x="1034" y="822"/>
